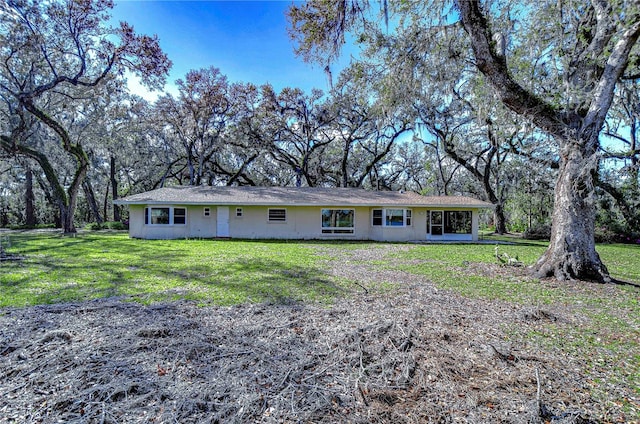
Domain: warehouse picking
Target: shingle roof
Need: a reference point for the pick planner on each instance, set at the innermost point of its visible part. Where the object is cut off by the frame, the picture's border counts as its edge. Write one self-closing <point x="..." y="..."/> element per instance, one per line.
<point x="290" y="196"/>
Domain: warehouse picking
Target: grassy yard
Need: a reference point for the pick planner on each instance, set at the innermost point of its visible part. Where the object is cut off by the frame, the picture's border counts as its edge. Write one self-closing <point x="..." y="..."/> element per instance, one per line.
<point x="94" y="265"/>
<point x="604" y="330"/>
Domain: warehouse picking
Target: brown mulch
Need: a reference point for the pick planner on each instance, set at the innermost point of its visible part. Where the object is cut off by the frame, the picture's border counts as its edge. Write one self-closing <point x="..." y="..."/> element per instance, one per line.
<point x="416" y="355"/>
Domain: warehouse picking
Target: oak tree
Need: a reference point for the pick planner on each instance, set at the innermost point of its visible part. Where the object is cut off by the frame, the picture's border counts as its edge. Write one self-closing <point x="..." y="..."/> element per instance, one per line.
<point x="51" y="55"/>
<point x="555" y="63"/>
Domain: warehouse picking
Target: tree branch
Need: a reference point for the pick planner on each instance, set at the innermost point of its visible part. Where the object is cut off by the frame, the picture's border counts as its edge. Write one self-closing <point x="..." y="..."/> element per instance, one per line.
<point x="614" y="67"/>
<point x="494" y="67"/>
<point x="16" y="148"/>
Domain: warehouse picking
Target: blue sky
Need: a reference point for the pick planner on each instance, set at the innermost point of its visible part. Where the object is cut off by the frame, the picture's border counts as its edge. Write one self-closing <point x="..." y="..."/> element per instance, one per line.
<point x="246" y="40"/>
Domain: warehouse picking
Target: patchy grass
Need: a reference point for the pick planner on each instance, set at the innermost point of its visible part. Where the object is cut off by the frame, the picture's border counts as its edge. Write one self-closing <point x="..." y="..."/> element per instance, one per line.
<point x="605" y="332"/>
<point x="471" y="270"/>
<point x="622" y="261"/>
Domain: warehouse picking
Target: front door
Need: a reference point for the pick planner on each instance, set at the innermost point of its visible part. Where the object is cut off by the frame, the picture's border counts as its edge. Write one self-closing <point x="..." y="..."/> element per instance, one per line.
<point x="436" y="223"/>
<point x="222" y="221"/>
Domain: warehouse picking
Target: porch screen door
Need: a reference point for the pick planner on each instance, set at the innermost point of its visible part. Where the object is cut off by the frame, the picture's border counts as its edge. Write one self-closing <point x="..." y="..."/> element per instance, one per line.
<point x="436" y="223"/>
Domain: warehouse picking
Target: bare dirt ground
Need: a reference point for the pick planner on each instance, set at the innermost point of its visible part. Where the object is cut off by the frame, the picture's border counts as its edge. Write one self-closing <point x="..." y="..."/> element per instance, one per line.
<point x="413" y="355"/>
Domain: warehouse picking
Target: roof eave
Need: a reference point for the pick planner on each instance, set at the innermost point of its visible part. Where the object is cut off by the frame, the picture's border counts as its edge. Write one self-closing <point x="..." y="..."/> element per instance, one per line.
<point x="408" y="205"/>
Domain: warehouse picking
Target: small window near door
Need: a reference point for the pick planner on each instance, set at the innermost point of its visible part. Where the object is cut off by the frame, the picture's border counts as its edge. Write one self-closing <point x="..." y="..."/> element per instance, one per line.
<point x="239" y="212"/>
<point x="206" y="212"/>
<point x="179" y="216"/>
<point x="277" y="215"/>
<point x="436" y="223"/>
<point x="377" y="217"/>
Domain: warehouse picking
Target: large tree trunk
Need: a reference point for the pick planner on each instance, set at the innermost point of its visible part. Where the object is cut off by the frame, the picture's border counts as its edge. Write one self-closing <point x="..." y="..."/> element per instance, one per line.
<point x="67" y="201"/>
<point x="571" y="253"/>
<point x="499" y="219"/>
<point x="344" y="173"/>
<point x="91" y="200"/>
<point x="58" y="194"/>
<point x="66" y="218"/>
<point x="4" y="216"/>
<point x="29" y="199"/>
<point x="49" y="196"/>
<point x="114" y="188"/>
<point x="82" y="166"/>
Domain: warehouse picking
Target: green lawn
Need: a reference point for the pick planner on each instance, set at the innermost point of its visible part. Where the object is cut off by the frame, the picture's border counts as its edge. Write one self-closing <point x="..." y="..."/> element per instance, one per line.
<point x="93" y="265"/>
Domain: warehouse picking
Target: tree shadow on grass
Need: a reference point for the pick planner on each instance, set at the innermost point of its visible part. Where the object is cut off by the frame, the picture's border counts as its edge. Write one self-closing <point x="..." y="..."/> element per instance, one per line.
<point x="149" y="276"/>
<point x="45" y="278"/>
<point x="265" y="280"/>
<point x="250" y="280"/>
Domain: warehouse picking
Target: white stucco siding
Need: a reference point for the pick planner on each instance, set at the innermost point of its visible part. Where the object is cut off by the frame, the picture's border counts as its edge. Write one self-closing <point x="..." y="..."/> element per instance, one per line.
<point x="196" y="224"/>
<point x="415" y="231"/>
<point x="199" y="225"/>
<point x="302" y="222"/>
<point x="136" y="221"/>
<point x="474" y="224"/>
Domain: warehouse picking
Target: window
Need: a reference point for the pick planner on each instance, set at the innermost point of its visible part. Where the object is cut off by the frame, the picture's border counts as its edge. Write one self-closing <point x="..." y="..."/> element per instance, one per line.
<point x="206" y="212"/>
<point x="179" y="216"/>
<point x="436" y="223"/>
<point x="392" y="217"/>
<point x="277" y="215"/>
<point x="165" y="216"/>
<point x="157" y="216"/>
<point x="239" y="212"/>
<point x="377" y="217"/>
<point x="338" y="221"/>
<point x="457" y="222"/>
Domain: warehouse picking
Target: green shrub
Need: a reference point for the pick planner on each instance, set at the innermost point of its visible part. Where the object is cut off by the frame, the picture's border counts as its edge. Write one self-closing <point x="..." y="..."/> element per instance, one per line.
<point x="616" y="235"/>
<point x="115" y="225"/>
<point x="93" y="226"/>
<point x="109" y="225"/>
<point x="517" y="227"/>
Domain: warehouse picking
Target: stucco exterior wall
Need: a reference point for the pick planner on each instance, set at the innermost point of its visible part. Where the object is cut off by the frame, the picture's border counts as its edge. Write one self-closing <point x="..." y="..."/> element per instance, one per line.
<point x="196" y="226"/>
<point x="302" y="222"/>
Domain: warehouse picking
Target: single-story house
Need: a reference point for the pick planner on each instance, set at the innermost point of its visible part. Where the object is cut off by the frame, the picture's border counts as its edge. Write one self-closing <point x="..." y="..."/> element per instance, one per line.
<point x="300" y="213"/>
